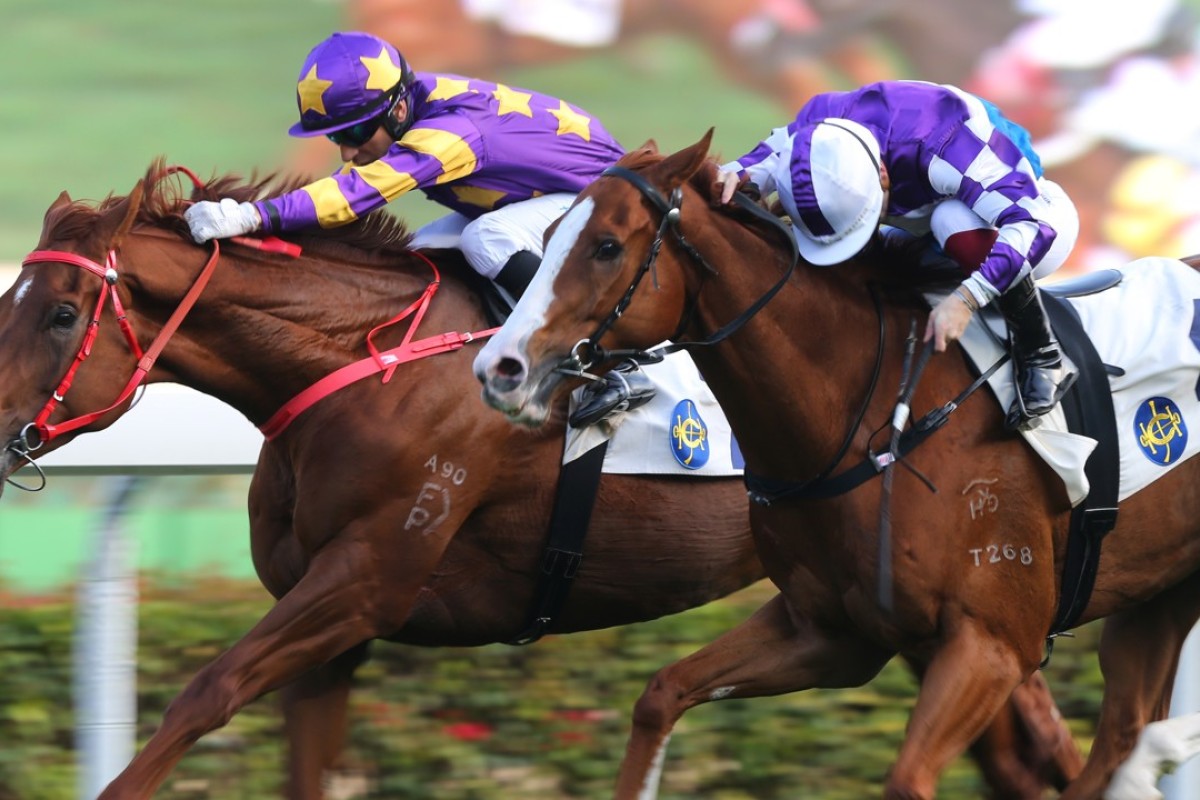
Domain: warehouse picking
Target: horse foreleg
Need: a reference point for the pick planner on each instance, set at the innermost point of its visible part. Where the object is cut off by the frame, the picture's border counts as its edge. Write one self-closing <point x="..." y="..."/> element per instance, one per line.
<point x="314" y="710"/>
<point x="333" y="608"/>
<point x="1028" y="746"/>
<point x="965" y="684"/>
<point x="765" y="655"/>
<point x="1139" y="653"/>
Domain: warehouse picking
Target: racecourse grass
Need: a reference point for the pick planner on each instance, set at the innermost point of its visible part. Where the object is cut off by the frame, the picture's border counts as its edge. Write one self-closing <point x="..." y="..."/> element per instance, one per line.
<point x="545" y="722"/>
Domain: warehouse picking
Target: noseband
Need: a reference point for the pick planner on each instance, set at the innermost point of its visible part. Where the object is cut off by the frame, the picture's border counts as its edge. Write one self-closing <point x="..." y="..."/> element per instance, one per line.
<point x="588" y="352"/>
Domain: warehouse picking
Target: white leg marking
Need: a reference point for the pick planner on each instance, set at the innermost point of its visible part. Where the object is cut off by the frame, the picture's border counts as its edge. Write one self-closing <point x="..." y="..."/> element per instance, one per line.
<point x="654" y="776"/>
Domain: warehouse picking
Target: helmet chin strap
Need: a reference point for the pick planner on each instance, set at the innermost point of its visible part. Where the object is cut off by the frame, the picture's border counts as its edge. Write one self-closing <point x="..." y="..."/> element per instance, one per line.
<point x="397" y="128"/>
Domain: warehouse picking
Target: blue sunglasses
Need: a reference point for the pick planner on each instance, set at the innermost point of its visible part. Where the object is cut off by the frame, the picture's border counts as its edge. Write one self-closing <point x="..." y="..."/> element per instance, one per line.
<point x="356" y="135"/>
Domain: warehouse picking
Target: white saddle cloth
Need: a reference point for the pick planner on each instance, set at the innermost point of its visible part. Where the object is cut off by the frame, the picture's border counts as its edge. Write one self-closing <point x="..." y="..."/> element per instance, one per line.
<point x="681" y="431"/>
<point x="1146" y="327"/>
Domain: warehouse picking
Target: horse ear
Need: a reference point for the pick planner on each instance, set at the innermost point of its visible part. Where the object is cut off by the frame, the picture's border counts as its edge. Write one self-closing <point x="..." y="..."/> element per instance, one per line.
<point x="62" y="201"/>
<point x="650" y="146"/>
<point x="676" y="168"/>
<point x="132" y="204"/>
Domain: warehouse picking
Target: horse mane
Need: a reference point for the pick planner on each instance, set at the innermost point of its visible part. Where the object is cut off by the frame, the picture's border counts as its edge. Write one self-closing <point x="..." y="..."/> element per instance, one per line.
<point x="702" y="180"/>
<point x="640" y="158"/>
<point x="895" y="269"/>
<point x="377" y="238"/>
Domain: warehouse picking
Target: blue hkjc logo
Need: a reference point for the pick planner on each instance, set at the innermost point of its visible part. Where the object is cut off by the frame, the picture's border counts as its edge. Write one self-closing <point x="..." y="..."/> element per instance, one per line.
<point x="1160" y="430"/>
<point x="689" y="436"/>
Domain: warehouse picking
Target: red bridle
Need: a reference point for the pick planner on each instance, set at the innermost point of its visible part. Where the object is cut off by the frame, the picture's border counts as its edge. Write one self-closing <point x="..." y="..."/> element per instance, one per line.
<point x="41" y="427"/>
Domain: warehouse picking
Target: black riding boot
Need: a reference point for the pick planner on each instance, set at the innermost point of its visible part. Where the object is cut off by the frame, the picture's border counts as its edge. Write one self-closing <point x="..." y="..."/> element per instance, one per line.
<point x="1044" y="374"/>
<point x="624" y="388"/>
<point x="517" y="272"/>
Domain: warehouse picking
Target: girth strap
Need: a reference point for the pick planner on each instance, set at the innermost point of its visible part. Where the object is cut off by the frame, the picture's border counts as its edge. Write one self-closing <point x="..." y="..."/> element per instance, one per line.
<point x="578" y="483"/>
<point x="1088" y="409"/>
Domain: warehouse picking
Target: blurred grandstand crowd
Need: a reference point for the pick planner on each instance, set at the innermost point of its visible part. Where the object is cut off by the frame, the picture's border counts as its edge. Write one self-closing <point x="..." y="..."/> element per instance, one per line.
<point x="1109" y="89"/>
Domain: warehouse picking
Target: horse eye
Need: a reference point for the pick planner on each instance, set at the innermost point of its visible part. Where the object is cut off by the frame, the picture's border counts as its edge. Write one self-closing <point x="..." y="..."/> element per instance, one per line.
<point x="608" y="250"/>
<point x="64" y="317"/>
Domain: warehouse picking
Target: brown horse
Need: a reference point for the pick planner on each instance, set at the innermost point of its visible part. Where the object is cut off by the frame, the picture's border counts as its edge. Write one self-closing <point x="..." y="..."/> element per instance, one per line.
<point x="403" y="511"/>
<point x="795" y="381"/>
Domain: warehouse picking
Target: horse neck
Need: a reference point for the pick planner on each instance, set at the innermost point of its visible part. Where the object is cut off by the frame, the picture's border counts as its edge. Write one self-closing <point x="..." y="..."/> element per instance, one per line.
<point x="265" y="328"/>
<point x="803" y="361"/>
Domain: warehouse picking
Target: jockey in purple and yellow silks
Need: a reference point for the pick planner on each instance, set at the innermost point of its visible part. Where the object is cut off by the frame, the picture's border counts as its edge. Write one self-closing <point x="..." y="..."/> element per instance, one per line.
<point x="476" y="147"/>
<point x="507" y="162"/>
<point x="936" y="162"/>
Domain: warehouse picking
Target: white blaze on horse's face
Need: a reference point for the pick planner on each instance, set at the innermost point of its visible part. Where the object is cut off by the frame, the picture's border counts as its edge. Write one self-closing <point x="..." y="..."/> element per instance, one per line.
<point x="22" y="290"/>
<point x="530" y="313"/>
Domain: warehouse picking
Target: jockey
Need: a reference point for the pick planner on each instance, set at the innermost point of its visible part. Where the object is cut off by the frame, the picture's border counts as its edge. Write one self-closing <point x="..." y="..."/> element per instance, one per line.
<point x="944" y="165"/>
<point x="507" y="162"/>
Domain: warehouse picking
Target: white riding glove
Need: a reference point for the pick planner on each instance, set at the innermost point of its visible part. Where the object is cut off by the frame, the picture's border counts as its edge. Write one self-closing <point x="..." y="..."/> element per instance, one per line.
<point x="209" y="220"/>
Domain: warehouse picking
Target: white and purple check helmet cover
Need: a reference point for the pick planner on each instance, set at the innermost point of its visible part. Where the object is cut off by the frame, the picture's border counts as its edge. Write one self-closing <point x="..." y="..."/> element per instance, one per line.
<point x="837" y="190"/>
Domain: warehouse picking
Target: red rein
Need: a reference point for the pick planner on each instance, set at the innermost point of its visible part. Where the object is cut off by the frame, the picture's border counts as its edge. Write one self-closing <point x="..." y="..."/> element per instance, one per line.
<point x="385" y="361"/>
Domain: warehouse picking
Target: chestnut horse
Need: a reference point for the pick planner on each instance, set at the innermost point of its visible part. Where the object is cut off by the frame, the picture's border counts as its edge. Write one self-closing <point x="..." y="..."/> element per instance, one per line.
<point x="399" y="510"/>
<point x="796" y="381"/>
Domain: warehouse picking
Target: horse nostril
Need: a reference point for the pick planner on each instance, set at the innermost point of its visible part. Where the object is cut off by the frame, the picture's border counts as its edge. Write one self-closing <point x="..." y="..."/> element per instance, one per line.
<point x="510" y="368"/>
<point x="506" y="376"/>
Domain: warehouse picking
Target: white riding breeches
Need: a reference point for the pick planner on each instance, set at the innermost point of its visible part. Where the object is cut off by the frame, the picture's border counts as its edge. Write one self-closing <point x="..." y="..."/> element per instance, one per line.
<point x="953" y="216"/>
<point x="489" y="241"/>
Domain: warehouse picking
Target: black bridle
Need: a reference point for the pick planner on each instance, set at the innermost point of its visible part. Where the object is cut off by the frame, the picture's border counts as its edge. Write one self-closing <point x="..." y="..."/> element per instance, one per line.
<point x="587" y="352"/>
<point x="763" y="490"/>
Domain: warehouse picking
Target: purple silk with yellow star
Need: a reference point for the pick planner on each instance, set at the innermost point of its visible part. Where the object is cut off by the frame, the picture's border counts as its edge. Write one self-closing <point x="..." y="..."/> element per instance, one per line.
<point x="475" y="146"/>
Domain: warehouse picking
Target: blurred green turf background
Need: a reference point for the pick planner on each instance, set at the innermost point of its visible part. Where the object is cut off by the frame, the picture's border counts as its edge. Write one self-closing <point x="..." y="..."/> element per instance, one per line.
<point x="94" y="90"/>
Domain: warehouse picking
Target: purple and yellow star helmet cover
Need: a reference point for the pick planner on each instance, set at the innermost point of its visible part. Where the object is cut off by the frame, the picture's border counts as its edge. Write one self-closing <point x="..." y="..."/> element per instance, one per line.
<point x="346" y="79"/>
